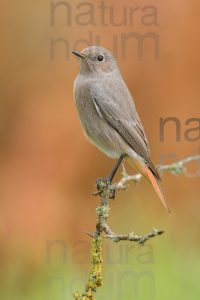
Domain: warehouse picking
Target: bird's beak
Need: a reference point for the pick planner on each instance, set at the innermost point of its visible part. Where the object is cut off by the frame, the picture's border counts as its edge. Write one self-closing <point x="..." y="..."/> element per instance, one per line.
<point x="79" y="54"/>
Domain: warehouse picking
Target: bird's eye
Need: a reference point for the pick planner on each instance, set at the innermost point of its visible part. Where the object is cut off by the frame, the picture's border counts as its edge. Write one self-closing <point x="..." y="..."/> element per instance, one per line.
<point x="100" y="58"/>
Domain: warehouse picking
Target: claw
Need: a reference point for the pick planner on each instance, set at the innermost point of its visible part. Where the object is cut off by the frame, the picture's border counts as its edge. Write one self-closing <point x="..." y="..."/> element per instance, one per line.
<point x="99" y="182"/>
<point x="98" y="193"/>
<point x="112" y="194"/>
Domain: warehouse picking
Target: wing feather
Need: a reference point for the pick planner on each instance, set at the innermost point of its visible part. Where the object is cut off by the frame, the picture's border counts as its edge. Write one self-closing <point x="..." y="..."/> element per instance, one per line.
<point x="122" y="116"/>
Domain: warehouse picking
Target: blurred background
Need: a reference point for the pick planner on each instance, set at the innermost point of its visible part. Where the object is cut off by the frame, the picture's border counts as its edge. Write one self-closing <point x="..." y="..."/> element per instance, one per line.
<point x="48" y="169"/>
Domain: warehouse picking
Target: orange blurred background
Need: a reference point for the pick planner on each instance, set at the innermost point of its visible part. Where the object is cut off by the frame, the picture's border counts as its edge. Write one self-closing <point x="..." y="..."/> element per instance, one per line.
<point x="48" y="168"/>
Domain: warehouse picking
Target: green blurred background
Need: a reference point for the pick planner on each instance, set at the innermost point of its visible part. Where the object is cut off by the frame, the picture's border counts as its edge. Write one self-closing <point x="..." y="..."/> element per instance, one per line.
<point x="48" y="168"/>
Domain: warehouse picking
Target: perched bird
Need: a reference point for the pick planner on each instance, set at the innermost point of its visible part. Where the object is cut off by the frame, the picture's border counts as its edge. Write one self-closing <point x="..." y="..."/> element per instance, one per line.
<point x="108" y="115"/>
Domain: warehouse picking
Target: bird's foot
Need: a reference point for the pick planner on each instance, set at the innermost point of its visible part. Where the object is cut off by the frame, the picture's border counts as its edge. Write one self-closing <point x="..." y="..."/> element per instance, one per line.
<point x="112" y="194"/>
<point x="101" y="184"/>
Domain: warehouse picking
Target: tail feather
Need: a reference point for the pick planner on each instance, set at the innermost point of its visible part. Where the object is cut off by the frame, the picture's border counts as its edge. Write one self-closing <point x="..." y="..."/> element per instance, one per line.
<point x="156" y="186"/>
<point x="150" y="173"/>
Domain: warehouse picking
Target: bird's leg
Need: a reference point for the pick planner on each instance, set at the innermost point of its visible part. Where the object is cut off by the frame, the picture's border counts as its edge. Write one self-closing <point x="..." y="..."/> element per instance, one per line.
<point x="116" y="167"/>
<point x="108" y="179"/>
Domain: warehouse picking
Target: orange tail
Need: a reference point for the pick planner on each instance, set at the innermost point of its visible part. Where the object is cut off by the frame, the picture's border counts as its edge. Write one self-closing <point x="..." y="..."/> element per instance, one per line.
<point x="146" y="172"/>
<point x="156" y="186"/>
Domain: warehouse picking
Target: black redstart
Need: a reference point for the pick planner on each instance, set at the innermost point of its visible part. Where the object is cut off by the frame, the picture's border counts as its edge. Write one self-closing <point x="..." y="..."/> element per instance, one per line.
<point x="108" y="114"/>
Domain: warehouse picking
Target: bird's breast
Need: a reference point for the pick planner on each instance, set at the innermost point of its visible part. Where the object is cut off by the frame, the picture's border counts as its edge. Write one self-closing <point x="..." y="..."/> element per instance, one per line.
<point x="95" y="126"/>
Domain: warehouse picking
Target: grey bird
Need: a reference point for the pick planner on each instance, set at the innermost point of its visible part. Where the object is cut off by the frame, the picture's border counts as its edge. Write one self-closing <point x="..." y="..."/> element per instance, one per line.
<point x="108" y="114"/>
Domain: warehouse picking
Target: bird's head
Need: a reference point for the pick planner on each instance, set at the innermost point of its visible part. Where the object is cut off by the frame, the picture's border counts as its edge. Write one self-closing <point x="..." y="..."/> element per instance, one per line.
<point x="96" y="59"/>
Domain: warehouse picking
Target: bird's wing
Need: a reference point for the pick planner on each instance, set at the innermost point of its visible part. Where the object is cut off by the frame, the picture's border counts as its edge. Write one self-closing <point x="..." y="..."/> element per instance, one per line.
<point x="121" y="115"/>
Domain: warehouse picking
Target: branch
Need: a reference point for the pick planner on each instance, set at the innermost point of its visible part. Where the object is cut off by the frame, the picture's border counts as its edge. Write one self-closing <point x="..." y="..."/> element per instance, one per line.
<point x="95" y="275"/>
<point x="106" y="191"/>
<point x="178" y="167"/>
<point x="141" y="239"/>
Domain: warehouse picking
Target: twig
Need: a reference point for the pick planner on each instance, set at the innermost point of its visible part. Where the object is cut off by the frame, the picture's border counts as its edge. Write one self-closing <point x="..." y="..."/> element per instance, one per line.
<point x="179" y="166"/>
<point x="132" y="237"/>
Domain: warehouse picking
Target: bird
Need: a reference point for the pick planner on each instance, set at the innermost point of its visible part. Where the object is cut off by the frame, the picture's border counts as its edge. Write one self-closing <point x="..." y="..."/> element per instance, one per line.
<point x="108" y="114"/>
